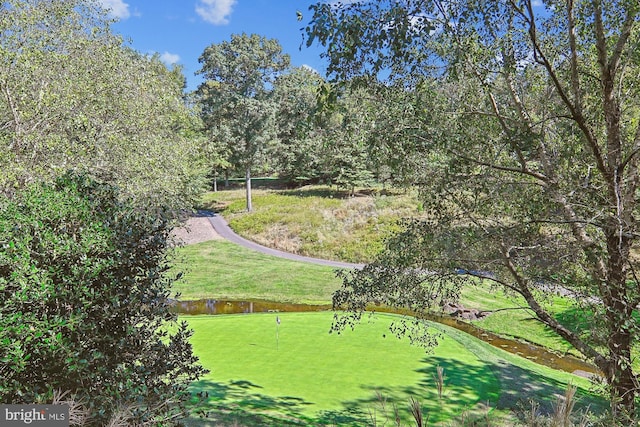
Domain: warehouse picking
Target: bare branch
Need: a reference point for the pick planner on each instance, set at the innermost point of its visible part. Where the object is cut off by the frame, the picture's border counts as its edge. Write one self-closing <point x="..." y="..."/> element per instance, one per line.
<point x="575" y="80"/>
<point x="627" y="27"/>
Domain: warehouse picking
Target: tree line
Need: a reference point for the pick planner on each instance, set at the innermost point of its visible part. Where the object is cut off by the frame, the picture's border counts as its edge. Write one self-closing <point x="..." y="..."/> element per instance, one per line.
<point x="262" y="116"/>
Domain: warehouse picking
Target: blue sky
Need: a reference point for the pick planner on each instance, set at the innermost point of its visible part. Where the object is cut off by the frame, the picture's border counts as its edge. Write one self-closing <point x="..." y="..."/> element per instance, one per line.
<point x="179" y="30"/>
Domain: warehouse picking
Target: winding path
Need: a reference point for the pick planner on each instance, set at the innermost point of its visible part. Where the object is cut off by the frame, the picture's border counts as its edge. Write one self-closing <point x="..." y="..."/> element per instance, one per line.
<point x="221" y="226"/>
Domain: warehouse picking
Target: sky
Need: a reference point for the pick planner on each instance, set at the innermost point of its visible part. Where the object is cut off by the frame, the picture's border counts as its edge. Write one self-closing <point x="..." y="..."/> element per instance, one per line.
<point x="180" y="30"/>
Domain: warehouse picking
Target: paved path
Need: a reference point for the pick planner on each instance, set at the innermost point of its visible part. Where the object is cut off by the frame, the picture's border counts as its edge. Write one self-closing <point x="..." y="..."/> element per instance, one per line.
<point x="221" y="226"/>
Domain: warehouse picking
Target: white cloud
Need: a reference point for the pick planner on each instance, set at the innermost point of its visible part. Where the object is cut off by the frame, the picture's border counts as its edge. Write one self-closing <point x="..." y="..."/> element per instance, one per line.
<point x="215" y="11"/>
<point x="169" y="58"/>
<point x="117" y="8"/>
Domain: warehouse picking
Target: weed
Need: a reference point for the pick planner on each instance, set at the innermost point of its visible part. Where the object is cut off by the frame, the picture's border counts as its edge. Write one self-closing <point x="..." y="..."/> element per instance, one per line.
<point x="439" y="380"/>
<point x="416" y="411"/>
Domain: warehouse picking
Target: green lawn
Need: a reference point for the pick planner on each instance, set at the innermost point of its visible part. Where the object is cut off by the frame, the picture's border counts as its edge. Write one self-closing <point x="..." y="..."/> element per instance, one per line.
<point x="223" y="270"/>
<point x="263" y="373"/>
<point x="309" y="377"/>
<point x="324" y="223"/>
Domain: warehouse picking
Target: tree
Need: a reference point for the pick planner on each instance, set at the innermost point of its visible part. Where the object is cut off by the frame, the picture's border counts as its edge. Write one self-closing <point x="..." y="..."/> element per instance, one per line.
<point x="298" y="149"/>
<point x="347" y="133"/>
<point x="398" y="146"/>
<point x="84" y="285"/>
<point x="235" y="96"/>
<point x="72" y="95"/>
<point x="537" y="132"/>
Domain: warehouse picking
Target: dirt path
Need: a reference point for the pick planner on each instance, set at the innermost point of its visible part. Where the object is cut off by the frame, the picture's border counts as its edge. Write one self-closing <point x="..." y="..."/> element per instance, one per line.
<point x="208" y="225"/>
<point x="197" y="229"/>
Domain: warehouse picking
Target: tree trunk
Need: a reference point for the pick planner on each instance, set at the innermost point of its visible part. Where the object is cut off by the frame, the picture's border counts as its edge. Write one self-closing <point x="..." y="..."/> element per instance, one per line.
<point x="248" y="184"/>
<point x="621" y="378"/>
<point x="619" y="314"/>
<point x="215" y="183"/>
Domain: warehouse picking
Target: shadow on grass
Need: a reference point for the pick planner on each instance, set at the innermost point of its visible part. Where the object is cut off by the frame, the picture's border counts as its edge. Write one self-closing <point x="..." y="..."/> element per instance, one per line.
<point x="470" y="391"/>
<point x="333" y="193"/>
<point x="321" y="192"/>
<point x="468" y="388"/>
<point x="241" y="403"/>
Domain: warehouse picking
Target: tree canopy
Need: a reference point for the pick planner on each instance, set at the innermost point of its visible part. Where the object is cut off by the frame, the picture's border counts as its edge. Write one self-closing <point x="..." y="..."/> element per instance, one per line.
<point x="532" y="126"/>
<point x="84" y="285"/>
<point x="297" y="153"/>
<point x="73" y="95"/>
<point x="235" y="97"/>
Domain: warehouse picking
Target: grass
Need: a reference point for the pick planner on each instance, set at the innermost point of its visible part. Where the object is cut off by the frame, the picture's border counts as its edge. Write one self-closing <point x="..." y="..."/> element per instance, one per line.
<point x="223" y="270"/>
<point x="512" y="320"/>
<point x="316" y="221"/>
<point x="296" y="373"/>
<point x="302" y="374"/>
<point x="252" y="385"/>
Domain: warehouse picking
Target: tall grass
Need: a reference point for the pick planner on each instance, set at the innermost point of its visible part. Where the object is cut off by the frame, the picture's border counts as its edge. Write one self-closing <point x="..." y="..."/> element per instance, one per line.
<point x="316" y="221"/>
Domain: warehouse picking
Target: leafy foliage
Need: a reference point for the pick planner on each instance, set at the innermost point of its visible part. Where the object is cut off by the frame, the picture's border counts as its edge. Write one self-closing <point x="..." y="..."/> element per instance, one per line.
<point x="532" y="128"/>
<point x="236" y="105"/>
<point x="84" y="287"/>
<point x="72" y="95"/>
<point x="298" y="153"/>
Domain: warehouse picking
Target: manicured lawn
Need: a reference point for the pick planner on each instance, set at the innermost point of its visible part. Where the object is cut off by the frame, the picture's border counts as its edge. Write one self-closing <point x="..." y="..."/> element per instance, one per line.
<point x="223" y="270"/>
<point x="308" y="377"/>
<point x="321" y="378"/>
<point x="325" y="224"/>
<point x="297" y="373"/>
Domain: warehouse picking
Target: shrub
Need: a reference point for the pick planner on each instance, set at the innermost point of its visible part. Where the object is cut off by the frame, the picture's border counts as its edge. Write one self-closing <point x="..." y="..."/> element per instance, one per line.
<point x="84" y="290"/>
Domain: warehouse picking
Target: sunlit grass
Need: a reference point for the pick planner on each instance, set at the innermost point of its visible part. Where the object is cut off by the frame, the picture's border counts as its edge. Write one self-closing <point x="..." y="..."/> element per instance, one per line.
<point x="297" y="370"/>
<point x="223" y="270"/>
<point x="511" y="317"/>
<point x="317" y="220"/>
<point x="296" y="373"/>
<point x="256" y="394"/>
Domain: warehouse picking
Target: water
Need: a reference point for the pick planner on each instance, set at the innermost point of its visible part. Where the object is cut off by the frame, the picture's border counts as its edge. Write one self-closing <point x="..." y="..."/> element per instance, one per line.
<point x="530" y="351"/>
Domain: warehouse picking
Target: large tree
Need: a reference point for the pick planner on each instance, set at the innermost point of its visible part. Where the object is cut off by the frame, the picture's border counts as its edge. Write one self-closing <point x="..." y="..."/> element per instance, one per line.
<point x="72" y="95"/>
<point x="536" y="123"/>
<point x="236" y="96"/>
<point x="346" y="136"/>
<point x="298" y="150"/>
<point x="84" y="305"/>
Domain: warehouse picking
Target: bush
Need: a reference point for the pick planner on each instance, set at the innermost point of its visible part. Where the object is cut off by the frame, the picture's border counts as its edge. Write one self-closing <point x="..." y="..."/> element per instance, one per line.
<point x="84" y="290"/>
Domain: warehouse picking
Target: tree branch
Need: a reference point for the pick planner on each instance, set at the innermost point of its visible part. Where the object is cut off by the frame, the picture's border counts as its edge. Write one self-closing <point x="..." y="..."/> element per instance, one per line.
<point x="575" y="80"/>
<point x="627" y="27"/>
<point x="522" y="171"/>
<point x="576" y="115"/>
<point x="547" y="319"/>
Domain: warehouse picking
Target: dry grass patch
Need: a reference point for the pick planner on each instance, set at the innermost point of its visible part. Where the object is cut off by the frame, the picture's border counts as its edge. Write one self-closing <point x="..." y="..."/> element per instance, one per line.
<point x="317" y="221"/>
